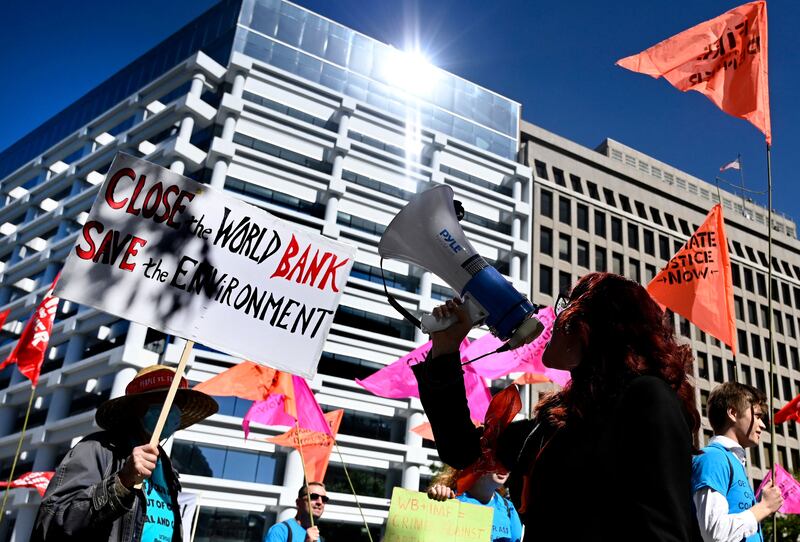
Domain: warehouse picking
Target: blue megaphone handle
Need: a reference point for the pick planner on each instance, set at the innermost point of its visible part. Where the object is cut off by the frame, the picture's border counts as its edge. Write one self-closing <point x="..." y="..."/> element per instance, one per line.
<point x="505" y="306"/>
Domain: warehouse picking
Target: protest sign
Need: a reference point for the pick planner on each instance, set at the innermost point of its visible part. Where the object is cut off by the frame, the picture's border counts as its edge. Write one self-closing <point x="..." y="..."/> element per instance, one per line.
<point x="189" y="505"/>
<point x="189" y="260"/>
<point x="413" y="517"/>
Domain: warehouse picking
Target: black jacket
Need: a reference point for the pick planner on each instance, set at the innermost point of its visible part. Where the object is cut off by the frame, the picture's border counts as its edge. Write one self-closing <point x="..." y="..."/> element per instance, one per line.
<point x="626" y="477"/>
<point x="86" y="501"/>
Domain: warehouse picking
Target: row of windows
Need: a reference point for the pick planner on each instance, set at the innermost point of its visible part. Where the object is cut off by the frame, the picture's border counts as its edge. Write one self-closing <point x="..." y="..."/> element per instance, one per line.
<point x="280" y="152"/>
<point x="327" y="124"/>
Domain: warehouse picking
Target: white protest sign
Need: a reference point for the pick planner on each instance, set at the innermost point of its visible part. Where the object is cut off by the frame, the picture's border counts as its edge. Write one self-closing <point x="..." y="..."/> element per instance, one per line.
<point x="186" y="259"/>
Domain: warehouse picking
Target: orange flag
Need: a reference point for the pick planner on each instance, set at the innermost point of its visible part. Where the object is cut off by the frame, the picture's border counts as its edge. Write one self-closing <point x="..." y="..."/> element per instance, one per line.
<point x="247" y="380"/>
<point x="724" y="58"/>
<point x="697" y="282"/>
<point x="531" y="378"/>
<point x="316" y="446"/>
<point x="424" y="430"/>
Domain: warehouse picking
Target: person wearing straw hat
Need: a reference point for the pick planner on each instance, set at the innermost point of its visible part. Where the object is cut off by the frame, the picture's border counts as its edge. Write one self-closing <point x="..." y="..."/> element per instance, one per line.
<point x="300" y="528"/>
<point x="113" y="485"/>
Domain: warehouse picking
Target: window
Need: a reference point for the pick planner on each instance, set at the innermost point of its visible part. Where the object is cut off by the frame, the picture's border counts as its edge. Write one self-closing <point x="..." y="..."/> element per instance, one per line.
<point x="716" y="362"/>
<point x="787" y="388"/>
<point x="783" y="360"/>
<point x="738" y="306"/>
<point x="218" y="524"/>
<point x="600" y="223"/>
<point x="777" y="321"/>
<point x="640" y="209"/>
<point x="761" y="280"/>
<point x="633" y="236"/>
<point x="702" y="365"/>
<point x="583" y="253"/>
<point x="224" y="462"/>
<point x="616" y="230"/>
<point x="546" y="280"/>
<point x="732" y="373"/>
<point x="742" y="342"/>
<point x="546" y="204"/>
<point x="752" y="312"/>
<point x="626" y="203"/>
<point x="609" y="196"/>
<point x="564" y="247"/>
<point x="649" y="273"/>
<point x="564" y="282"/>
<point x="761" y="383"/>
<point x="564" y="210"/>
<point x="649" y="242"/>
<point x="593" y="193"/>
<point x="735" y="272"/>
<point x="787" y="297"/>
<point x="633" y="270"/>
<point x="795" y="362"/>
<point x="656" y="214"/>
<point x="576" y="183"/>
<point x="790" y="326"/>
<point x="541" y="169"/>
<point x="583" y="217"/>
<point x="546" y="241"/>
<point x="558" y="176"/>
<point x="663" y="248"/>
<point x="617" y="263"/>
<point x="670" y="221"/>
<point x="756" y="340"/>
<point x="600" y="263"/>
<point x="748" y="281"/>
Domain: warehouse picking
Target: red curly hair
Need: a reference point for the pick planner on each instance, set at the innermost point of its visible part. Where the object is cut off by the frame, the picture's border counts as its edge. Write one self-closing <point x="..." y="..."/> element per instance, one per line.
<point x="624" y="334"/>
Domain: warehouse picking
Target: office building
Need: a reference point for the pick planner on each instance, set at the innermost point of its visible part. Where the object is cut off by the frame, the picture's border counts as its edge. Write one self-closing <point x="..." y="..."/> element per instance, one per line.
<point x="319" y="125"/>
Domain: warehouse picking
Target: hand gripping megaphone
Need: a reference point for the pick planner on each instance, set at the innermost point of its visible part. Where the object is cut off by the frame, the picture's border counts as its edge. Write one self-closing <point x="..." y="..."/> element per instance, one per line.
<point x="426" y="232"/>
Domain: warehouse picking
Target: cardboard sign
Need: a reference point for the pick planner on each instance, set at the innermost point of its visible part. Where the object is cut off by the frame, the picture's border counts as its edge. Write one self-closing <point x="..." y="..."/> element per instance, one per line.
<point x="186" y="259"/>
<point x="413" y="517"/>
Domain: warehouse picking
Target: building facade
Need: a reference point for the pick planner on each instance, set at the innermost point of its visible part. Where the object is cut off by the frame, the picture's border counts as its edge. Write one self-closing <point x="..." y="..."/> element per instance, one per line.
<point x="615" y="209"/>
<point x="317" y="124"/>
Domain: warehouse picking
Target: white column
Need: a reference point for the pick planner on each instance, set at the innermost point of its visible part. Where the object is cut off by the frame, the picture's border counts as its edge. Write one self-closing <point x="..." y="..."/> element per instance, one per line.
<point x="515" y="267"/>
<point x="410" y="478"/>
<point x="517" y="190"/>
<point x="121" y="381"/>
<point x="220" y="169"/>
<point x="292" y="482"/>
<point x="425" y="286"/>
<point x="331" y="210"/>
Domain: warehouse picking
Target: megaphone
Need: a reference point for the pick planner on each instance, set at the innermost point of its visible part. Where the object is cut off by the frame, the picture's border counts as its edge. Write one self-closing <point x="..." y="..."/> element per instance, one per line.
<point x="426" y="232"/>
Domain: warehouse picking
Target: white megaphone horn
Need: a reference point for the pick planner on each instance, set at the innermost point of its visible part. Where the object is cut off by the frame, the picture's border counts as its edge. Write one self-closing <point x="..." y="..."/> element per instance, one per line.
<point x="426" y="232"/>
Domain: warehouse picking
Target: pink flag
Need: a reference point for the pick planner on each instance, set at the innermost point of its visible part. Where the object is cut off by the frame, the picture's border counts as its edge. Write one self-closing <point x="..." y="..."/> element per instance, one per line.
<point x="790" y="490"/>
<point x="302" y="410"/>
<point x="478" y="394"/>
<point x="527" y="358"/>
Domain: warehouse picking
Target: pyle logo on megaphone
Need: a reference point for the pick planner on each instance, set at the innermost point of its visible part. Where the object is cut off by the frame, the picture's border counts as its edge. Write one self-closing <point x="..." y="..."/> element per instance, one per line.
<point x="450" y="241"/>
<point x="487" y="295"/>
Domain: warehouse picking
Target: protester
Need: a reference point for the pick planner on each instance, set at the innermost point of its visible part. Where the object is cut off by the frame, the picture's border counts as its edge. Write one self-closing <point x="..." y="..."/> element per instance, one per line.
<point x="609" y="456"/>
<point x="93" y="497"/>
<point x="726" y="507"/>
<point x="488" y="491"/>
<point x="298" y="528"/>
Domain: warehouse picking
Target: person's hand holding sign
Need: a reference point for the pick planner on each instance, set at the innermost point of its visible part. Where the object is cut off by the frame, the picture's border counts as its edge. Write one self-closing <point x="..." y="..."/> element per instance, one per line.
<point x="139" y="465"/>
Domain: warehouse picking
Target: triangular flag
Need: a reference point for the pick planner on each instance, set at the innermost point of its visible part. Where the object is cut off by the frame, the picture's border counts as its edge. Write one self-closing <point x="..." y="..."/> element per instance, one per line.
<point x="724" y="59"/>
<point x="290" y="403"/>
<point x="697" y="282"/>
<point x="29" y="352"/>
<point x="424" y="430"/>
<point x="37" y="480"/>
<point x="316" y="446"/>
<point x="247" y="380"/>
<point x="790" y="411"/>
<point x="790" y="489"/>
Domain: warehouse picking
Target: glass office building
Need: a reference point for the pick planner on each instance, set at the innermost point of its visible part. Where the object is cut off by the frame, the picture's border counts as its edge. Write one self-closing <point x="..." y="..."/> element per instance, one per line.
<point x="317" y="124"/>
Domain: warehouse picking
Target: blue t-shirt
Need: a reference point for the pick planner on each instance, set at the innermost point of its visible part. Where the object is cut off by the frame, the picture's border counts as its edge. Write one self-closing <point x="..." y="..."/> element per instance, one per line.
<point x="506" y="526"/>
<point x="280" y="532"/>
<point x="721" y="471"/>
<point x="159" y="520"/>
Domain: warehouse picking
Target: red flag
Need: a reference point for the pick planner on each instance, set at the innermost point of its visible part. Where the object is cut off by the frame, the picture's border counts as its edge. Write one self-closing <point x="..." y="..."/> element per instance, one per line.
<point x="4" y="316"/>
<point x="697" y="282"/>
<point x="316" y="446"/>
<point x="791" y="411"/>
<point x="724" y="58"/>
<point x="37" y="480"/>
<point x="29" y="352"/>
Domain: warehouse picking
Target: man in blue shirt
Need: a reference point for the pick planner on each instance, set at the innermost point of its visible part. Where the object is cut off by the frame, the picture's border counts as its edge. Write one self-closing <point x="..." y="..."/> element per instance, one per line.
<point x="726" y="508"/>
<point x="298" y="528"/>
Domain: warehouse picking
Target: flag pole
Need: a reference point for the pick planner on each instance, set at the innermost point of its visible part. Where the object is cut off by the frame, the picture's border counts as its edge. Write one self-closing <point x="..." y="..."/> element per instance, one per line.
<point x="352" y="489"/>
<point x="305" y="474"/>
<point x="772" y="443"/>
<point x="741" y="179"/>
<point x="16" y="454"/>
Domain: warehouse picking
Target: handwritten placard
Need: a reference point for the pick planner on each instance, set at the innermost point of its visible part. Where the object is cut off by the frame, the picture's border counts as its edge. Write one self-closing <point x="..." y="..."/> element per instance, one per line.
<point x="413" y="517"/>
<point x="186" y="259"/>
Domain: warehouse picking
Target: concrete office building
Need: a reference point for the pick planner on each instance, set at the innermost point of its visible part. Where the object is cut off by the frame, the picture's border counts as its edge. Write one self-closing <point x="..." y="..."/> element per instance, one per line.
<point x="615" y="209"/>
<point x="317" y="124"/>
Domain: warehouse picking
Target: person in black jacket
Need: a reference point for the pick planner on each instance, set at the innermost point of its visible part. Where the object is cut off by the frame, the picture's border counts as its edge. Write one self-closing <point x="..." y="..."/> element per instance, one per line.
<point x="609" y="456"/>
<point x="93" y="495"/>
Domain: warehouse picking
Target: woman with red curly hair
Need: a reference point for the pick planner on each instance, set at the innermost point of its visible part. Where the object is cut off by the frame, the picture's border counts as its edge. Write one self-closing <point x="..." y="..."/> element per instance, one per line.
<point x="609" y="456"/>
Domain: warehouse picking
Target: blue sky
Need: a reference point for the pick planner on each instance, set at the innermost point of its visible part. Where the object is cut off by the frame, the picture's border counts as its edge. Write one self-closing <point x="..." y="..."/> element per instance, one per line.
<point x="556" y="58"/>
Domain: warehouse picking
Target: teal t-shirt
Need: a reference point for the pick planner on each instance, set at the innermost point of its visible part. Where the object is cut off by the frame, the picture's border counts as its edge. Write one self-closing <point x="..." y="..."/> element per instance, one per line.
<point x="720" y="470"/>
<point x="159" y="521"/>
<point x="506" y="525"/>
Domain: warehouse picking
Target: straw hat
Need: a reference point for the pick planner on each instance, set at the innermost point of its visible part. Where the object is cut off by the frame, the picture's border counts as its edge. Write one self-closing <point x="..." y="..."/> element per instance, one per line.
<point x="150" y="385"/>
